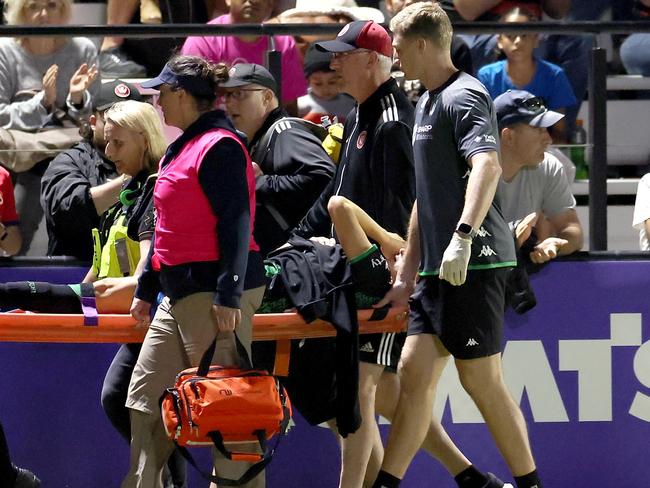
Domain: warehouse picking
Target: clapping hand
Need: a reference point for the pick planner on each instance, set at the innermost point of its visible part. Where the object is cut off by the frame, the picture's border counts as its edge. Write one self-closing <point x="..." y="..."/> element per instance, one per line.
<point x="49" y="86"/>
<point x="81" y="80"/>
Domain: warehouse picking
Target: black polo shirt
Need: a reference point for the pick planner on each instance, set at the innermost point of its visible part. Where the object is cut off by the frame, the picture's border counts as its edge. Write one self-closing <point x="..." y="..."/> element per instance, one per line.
<point x="452" y="124"/>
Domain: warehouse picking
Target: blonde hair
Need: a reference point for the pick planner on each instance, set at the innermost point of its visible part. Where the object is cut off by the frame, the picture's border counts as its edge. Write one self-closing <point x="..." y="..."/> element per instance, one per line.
<point x="424" y="19"/>
<point x="143" y="118"/>
<point x="14" y="11"/>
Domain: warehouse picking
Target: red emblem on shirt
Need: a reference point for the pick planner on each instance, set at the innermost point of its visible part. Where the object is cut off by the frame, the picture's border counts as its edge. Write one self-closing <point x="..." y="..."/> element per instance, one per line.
<point x="361" y="140"/>
<point x="122" y="91"/>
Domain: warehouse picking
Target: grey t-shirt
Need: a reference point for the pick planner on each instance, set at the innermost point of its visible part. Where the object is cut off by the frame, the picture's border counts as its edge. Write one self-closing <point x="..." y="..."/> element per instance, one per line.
<point x="452" y="124"/>
<point x="544" y="188"/>
<point x="21" y="71"/>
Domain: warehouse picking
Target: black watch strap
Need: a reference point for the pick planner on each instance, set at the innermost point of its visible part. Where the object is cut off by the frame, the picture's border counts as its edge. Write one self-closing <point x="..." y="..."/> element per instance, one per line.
<point x="466" y="230"/>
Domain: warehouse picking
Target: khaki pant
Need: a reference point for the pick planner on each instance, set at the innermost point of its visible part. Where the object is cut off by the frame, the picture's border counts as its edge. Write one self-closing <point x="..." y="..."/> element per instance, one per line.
<point x="177" y="338"/>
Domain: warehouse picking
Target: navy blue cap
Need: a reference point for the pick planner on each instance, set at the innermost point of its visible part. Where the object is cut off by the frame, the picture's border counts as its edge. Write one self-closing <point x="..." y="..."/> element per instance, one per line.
<point x="193" y="84"/>
<point x="360" y="34"/>
<point x="519" y="106"/>
<point x="243" y="74"/>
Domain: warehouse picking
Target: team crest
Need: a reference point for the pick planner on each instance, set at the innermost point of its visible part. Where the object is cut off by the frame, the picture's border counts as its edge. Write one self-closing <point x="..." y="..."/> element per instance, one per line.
<point x="122" y="91"/>
<point x="361" y="140"/>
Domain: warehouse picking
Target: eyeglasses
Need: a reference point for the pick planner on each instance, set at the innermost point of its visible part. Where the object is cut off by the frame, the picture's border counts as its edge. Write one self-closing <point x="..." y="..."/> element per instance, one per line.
<point x="50" y="6"/>
<point x="345" y="54"/>
<point x="241" y="93"/>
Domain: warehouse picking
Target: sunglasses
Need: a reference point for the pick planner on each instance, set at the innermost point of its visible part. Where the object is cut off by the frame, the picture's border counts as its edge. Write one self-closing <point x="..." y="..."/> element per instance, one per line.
<point x="534" y="104"/>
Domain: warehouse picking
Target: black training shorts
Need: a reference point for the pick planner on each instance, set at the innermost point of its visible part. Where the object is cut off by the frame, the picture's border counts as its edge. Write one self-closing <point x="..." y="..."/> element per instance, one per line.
<point x="468" y="319"/>
<point x="372" y="281"/>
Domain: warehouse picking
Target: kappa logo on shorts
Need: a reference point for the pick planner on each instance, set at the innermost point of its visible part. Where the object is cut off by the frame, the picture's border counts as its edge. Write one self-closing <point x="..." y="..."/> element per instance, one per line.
<point x="471" y="342"/>
<point x="367" y="347"/>
<point x="486" y="252"/>
<point x="483" y="233"/>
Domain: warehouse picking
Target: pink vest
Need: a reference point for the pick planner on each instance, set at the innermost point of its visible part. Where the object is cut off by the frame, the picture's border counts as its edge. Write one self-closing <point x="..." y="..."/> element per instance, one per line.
<point x="186" y="226"/>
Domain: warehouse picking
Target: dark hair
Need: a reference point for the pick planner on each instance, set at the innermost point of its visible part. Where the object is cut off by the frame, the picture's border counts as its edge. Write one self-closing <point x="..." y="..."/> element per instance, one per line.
<point x="514" y="12"/>
<point x="203" y="71"/>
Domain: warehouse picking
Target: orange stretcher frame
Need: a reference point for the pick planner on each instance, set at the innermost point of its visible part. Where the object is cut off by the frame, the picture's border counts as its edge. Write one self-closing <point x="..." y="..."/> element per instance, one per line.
<point x="70" y="328"/>
<point x="279" y="327"/>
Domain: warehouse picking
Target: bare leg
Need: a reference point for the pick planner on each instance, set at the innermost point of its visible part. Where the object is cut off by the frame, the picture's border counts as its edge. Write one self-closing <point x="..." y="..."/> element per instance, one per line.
<point x="437" y="442"/>
<point x="422" y="362"/>
<point x="483" y="379"/>
<point x="118" y="12"/>
<point x="356" y="448"/>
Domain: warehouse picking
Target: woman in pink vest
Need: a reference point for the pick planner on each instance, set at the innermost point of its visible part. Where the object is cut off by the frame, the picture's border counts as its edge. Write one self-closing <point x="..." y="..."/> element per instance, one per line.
<point x="203" y="258"/>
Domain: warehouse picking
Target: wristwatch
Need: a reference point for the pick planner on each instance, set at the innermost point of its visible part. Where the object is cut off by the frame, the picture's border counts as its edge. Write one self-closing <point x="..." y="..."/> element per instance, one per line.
<point x="466" y="231"/>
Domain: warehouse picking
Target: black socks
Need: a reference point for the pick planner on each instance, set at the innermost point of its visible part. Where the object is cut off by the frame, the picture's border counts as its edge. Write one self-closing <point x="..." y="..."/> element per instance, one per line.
<point x="530" y="480"/>
<point x="386" y="480"/>
<point x="471" y="478"/>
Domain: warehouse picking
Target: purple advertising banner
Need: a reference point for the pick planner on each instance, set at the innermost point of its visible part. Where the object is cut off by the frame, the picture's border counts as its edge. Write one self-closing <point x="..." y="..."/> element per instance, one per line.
<point x="578" y="364"/>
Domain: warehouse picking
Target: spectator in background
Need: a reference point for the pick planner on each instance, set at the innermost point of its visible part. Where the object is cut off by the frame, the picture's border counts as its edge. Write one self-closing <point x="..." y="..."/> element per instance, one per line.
<point x="251" y="49"/>
<point x="81" y="183"/>
<point x="43" y="80"/>
<point x="635" y="50"/>
<point x="11" y="476"/>
<point x="10" y="239"/>
<point x="134" y="57"/>
<point x="291" y="167"/>
<point x="533" y="181"/>
<point x="522" y="70"/>
<point x="570" y="52"/>
<point x="325" y="96"/>
<point x="641" y="219"/>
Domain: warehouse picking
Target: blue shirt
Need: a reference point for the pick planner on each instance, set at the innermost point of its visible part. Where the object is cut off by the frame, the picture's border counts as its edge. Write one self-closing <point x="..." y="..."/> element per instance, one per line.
<point x="549" y="83"/>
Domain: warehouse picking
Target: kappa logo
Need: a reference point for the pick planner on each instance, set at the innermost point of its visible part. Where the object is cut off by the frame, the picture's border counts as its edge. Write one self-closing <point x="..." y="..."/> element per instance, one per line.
<point x="471" y="342"/>
<point x="486" y="138"/>
<point x="487" y="251"/>
<point x="367" y="347"/>
<point x="380" y="261"/>
<point x="483" y="233"/>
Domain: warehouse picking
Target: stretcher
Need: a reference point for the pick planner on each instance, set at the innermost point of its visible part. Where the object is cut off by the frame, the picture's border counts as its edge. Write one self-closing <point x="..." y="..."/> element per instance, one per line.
<point x="279" y="327"/>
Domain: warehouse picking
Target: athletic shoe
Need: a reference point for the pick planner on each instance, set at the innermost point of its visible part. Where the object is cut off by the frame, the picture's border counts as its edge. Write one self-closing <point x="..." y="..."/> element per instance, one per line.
<point x="494" y="482"/>
<point x="26" y="479"/>
<point x="114" y="63"/>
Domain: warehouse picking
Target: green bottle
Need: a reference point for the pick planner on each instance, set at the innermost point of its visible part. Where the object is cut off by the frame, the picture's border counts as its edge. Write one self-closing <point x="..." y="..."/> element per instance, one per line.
<point x="577" y="152"/>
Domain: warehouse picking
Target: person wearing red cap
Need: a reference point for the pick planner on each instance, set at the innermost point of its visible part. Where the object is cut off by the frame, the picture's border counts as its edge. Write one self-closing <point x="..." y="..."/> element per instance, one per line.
<point x="460" y="247"/>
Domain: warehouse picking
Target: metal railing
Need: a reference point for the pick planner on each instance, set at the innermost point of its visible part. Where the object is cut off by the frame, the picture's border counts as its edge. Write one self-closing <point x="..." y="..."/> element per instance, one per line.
<point x="597" y="135"/>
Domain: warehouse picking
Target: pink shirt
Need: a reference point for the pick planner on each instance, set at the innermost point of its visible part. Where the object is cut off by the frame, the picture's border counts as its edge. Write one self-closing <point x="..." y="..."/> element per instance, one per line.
<point x="8" y="213"/>
<point x="232" y="50"/>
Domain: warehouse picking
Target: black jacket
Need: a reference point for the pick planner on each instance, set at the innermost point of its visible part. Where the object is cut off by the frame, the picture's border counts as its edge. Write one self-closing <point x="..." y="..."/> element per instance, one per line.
<point x="70" y="214"/>
<point x="296" y="170"/>
<point x="318" y="281"/>
<point x="376" y="170"/>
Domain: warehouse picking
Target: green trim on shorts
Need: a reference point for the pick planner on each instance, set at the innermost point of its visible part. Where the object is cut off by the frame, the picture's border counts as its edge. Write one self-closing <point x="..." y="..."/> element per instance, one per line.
<point x="506" y="264"/>
<point x="364" y="254"/>
<point x="76" y="288"/>
<point x="272" y="270"/>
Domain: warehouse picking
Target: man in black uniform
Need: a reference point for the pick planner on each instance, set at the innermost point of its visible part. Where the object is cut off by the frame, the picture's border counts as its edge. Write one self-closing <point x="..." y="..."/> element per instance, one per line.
<point x="80" y="184"/>
<point x="291" y="166"/>
<point x="456" y="225"/>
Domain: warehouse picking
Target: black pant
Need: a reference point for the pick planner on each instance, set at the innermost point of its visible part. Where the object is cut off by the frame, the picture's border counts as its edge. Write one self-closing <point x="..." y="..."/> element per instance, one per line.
<point x="114" y="392"/>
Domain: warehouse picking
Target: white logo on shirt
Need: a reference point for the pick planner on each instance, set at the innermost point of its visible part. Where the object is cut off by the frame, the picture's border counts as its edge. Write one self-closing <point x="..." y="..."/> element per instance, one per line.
<point x="487" y="251"/>
<point x="471" y="342"/>
<point x="485" y="138"/>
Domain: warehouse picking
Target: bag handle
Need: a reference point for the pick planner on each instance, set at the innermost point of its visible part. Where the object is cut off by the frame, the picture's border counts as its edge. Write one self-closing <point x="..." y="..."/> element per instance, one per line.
<point x="206" y="359"/>
<point x="263" y="459"/>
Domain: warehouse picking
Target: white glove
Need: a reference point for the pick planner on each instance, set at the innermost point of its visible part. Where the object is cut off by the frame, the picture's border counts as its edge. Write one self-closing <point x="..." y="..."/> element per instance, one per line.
<point x="455" y="260"/>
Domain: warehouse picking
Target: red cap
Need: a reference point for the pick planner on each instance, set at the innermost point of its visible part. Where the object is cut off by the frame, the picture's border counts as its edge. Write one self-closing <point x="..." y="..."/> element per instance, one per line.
<point x="360" y="34"/>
